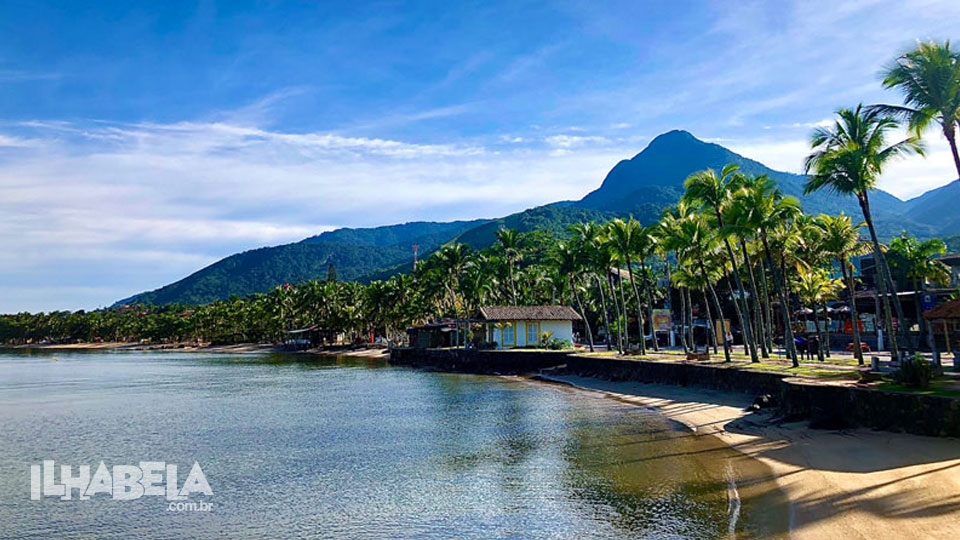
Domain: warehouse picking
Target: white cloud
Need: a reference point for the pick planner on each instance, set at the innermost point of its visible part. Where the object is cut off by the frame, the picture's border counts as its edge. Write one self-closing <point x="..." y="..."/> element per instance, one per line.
<point x="124" y="208"/>
<point x="571" y="141"/>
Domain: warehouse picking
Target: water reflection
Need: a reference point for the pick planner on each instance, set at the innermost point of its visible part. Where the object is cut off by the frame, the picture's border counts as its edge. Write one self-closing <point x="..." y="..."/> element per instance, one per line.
<point x="354" y="448"/>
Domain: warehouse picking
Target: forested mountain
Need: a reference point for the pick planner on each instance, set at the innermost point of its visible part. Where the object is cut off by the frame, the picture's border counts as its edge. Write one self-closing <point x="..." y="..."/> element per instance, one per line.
<point x="653" y="179"/>
<point x="355" y="253"/>
<point x="642" y="186"/>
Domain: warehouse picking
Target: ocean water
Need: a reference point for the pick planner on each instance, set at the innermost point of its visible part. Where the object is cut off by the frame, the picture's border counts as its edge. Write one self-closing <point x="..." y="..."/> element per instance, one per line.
<point x="348" y="448"/>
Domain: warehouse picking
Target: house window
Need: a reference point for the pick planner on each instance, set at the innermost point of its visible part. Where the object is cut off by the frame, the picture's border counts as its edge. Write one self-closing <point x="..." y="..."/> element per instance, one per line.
<point x="508" y="337"/>
<point x="533" y="333"/>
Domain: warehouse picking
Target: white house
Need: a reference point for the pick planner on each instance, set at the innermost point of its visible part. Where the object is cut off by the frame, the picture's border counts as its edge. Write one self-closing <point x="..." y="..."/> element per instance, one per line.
<point x="524" y="326"/>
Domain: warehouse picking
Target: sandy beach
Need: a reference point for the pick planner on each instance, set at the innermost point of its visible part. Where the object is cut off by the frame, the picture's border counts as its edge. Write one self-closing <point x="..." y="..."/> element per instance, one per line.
<point x="840" y="484"/>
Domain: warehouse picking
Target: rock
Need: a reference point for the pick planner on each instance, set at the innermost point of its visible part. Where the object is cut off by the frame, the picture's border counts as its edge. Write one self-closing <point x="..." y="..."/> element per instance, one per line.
<point x="765" y="401"/>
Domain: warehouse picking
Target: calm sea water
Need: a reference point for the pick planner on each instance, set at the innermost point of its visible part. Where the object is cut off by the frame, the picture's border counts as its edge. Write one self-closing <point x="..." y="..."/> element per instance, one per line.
<point x="344" y="448"/>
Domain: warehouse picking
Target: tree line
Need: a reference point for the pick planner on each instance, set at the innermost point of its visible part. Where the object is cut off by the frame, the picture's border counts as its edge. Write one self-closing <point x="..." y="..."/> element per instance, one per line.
<point x="733" y="244"/>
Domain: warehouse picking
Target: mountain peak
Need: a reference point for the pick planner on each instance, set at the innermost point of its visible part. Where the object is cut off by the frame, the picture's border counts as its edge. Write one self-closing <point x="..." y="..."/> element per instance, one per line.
<point x="675" y="136"/>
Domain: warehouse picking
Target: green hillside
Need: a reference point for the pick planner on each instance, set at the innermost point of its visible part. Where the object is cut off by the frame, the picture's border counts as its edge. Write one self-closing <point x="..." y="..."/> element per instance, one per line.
<point x="553" y="218"/>
<point x="355" y="253"/>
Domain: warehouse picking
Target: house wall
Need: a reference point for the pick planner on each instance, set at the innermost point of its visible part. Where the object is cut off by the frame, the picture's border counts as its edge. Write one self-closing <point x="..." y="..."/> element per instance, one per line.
<point x="561" y="330"/>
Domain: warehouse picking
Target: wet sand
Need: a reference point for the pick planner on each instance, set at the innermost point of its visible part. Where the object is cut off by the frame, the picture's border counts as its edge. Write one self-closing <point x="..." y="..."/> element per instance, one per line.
<point x="839" y="484"/>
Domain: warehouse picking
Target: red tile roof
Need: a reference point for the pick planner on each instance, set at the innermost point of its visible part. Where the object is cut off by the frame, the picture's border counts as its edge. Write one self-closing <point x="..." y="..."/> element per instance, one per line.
<point x="529" y="313"/>
<point x="950" y="310"/>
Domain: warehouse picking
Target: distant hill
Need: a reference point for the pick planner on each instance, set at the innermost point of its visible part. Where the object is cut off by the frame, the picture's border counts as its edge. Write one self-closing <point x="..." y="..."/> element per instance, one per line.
<point x="937" y="209"/>
<point x="355" y="253"/>
<point x="641" y="186"/>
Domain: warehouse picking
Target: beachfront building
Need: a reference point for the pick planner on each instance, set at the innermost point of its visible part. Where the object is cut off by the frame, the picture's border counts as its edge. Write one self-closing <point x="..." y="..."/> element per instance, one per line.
<point x="525" y="326"/>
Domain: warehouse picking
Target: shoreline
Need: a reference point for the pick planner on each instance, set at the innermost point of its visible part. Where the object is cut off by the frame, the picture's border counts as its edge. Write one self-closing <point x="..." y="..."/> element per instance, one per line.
<point x="240" y="348"/>
<point x="854" y="483"/>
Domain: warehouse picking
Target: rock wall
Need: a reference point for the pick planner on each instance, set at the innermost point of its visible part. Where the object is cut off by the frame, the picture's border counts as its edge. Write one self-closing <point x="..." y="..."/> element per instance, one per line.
<point x="476" y="361"/>
<point x="825" y="405"/>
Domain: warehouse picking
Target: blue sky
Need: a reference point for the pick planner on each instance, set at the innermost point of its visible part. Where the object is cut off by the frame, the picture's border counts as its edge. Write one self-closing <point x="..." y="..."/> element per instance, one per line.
<point x="142" y="141"/>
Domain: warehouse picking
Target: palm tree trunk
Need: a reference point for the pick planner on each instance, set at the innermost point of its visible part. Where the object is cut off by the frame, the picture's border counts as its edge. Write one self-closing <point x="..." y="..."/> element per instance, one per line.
<point x="693" y="337"/>
<point x="583" y="314"/>
<point x="626" y="317"/>
<point x="716" y="302"/>
<point x="743" y="316"/>
<point x="636" y="295"/>
<point x="603" y="305"/>
<point x="713" y="335"/>
<point x="848" y="279"/>
<point x="755" y="301"/>
<point x="950" y="133"/>
<point x="885" y="280"/>
<point x="683" y="320"/>
<point x="649" y="295"/>
<point x="917" y="299"/>
<point x="816" y="324"/>
<point x="825" y="346"/>
<point x="513" y="284"/>
<point x="931" y="340"/>
<point x="767" y="309"/>
<point x="788" y="340"/>
<point x="616" y="304"/>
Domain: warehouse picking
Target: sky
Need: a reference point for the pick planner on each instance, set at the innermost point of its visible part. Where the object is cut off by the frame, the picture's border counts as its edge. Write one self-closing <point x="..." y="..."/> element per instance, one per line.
<point x="141" y="141"/>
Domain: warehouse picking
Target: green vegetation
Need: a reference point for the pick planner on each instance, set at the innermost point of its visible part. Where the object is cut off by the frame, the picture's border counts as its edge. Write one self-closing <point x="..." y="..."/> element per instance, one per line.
<point x="734" y="244"/>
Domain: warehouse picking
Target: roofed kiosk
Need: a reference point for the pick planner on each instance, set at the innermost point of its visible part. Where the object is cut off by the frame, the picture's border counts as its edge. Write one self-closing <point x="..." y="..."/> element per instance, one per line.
<point x="528" y="326"/>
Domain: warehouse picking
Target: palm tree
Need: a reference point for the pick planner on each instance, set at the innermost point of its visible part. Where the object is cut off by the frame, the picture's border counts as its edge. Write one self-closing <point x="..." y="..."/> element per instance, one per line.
<point x="814" y="287"/>
<point x="569" y="259"/>
<point x="841" y="240"/>
<point x="510" y="245"/>
<point x="929" y="78"/>
<point x="916" y="260"/>
<point x="623" y="236"/>
<point x="688" y="234"/>
<point x="645" y="242"/>
<point x="848" y="159"/>
<point x="764" y="209"/>
<point x="713" y="193"/>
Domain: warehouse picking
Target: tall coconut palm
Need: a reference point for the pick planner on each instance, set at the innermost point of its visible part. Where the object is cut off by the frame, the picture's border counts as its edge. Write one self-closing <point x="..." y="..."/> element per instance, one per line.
<point x="696" y="245"/>
<point x="624" y="240"/>
<point x="764" y="209"/>
<point x="738" y="226"/>
<point x="508" y="241"/>
<point x="570" y="259"/>
<point x="929" y="78"/>
<point x="841" y="240"/>
<point x="713" y="193"/>
<point x="848" y="159"/>
<point x="645" y="242"/>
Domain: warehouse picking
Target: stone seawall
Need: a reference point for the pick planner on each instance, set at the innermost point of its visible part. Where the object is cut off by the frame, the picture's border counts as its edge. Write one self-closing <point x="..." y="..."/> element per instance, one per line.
<point x="474" y="361"/>
<point x="826" y="405"/>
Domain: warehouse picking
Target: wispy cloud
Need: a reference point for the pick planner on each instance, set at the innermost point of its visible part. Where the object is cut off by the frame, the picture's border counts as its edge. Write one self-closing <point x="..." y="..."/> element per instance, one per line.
<point x="134" y="206"/>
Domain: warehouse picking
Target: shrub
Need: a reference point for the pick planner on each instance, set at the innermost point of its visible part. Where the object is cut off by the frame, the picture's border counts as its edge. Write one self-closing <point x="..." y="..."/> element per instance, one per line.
<point x="555" y="344"/>
<point x="915" y="373"/>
